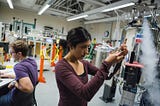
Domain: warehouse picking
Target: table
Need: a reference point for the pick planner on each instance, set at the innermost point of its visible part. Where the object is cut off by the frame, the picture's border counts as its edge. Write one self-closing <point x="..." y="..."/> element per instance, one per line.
<point x="5" y="81"/>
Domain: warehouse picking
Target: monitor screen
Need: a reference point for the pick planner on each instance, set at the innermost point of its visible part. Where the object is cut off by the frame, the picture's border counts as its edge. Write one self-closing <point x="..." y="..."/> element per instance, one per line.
<point x="5" y="46"/>
<point x="49" y="40"/>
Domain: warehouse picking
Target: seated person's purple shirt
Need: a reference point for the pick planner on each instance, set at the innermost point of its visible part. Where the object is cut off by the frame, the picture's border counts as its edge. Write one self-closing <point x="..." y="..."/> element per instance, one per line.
<point x="25" y="68"/>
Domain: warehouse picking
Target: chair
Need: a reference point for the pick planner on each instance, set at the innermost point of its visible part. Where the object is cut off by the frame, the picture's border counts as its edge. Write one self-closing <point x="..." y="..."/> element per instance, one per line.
<point x="34" y="99"/>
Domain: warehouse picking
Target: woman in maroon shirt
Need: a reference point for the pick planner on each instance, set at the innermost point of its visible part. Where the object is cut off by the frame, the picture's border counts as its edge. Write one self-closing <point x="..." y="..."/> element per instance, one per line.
<point x="72" y="71"/>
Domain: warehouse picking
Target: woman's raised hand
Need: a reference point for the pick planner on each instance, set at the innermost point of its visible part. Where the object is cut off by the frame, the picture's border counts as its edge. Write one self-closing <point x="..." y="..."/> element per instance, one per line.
<point x="117" y="56"/>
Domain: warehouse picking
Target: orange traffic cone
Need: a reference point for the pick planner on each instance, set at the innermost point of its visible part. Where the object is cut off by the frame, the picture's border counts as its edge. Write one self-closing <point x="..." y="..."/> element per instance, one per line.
<point x="53" y="55"/>
<point x="41" y="78"/>
<point x="60" y="52"/>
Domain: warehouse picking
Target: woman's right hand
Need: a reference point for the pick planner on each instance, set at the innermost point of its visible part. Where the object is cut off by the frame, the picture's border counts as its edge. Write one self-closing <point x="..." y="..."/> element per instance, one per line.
<point x="118" y="55"/>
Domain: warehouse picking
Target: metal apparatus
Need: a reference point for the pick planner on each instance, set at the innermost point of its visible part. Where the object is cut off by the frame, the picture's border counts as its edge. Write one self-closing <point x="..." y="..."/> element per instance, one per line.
<point x="109" y="85"/>
<point x="132" y="77"/>
<point x="101" y="52"/>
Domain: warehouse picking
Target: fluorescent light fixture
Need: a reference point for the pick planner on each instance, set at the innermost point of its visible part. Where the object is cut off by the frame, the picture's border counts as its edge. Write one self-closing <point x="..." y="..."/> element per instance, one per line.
<point x="146" y="16"/>
<point x="44" y="8"/>
<point x="10" y="4"/>
<point x="118" y="7"/>
<point x="78" y="17"/>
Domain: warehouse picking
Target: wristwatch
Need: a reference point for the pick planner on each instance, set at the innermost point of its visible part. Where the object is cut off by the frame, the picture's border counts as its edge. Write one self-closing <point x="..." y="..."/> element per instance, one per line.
<point x="13" y="83"/>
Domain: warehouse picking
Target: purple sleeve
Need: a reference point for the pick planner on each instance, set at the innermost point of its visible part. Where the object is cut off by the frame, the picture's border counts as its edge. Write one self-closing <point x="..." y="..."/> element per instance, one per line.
<point x="72" y="82"/>
<point x="20" y="72"/>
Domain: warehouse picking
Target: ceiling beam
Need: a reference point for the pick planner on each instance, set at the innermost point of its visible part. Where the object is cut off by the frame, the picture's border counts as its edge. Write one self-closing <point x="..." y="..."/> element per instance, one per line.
<point x="114" y="18"/>
<point x="57" y="5"/>
<point x="102" y="20"/>
<point x="58" y="12"/>
<point x="93" y="2"/>
<point x="68" y="9"/>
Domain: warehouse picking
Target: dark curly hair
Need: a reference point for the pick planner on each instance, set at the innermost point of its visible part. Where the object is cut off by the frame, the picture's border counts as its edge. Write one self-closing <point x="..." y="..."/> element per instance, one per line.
<point x="77" y="35"/>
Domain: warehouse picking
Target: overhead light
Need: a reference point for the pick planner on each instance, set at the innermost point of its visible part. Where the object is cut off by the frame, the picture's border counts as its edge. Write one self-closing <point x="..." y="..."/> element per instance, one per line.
<point x="146" y="16"/>
<point x="118" y="7"/>
<point x="44" y="8"/>
<point x="10" y="4"/>
<point x="46" y="5"/>
<point x="78" y="17"/>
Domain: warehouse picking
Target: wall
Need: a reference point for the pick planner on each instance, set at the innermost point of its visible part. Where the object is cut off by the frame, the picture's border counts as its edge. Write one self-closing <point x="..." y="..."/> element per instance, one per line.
<point x="7" y="14"/>
<point x="97" y="30"/>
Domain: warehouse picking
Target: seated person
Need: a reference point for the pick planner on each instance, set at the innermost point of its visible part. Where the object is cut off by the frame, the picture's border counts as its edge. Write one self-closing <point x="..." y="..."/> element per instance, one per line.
<point x="26" y="77"/>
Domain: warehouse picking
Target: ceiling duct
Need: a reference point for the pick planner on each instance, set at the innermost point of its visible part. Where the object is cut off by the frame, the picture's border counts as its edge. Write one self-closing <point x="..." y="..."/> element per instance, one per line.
<point x="147" y="14"/>
<point x="98" y="10"/>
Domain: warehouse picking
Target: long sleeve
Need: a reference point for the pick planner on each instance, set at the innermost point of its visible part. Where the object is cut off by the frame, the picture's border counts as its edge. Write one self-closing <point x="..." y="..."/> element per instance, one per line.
<point x="67" y="77"/>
